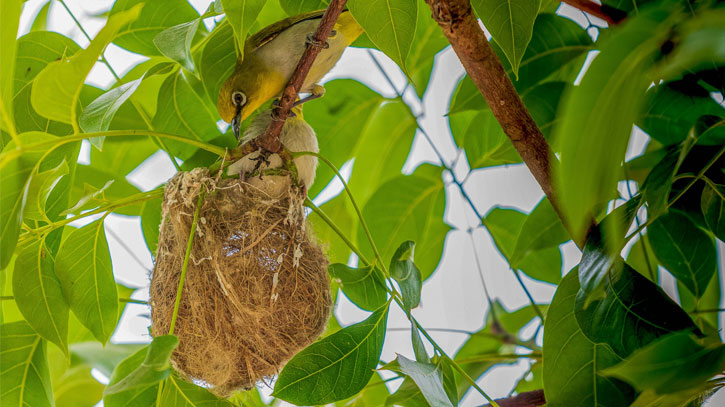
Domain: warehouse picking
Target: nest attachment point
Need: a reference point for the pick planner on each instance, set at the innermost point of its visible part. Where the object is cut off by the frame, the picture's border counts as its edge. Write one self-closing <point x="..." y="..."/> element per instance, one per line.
<point x="256" y="290"/>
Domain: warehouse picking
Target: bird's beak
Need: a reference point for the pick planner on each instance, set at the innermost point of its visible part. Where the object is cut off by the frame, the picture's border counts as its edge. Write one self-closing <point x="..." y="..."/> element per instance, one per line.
<point x="236" y="122"/>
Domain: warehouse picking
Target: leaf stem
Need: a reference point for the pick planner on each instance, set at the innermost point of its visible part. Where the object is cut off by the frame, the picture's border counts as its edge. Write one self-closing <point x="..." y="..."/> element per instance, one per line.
<point x="12" y="154"/>
<point x="354" y="204"/>
<point x="319" y="212"/>
<point x="679" y="194"/>
<point x="451" y="361"/>
<point x="394" y="293"/>
<point x="185" y="266"/>
<point x="130" y="200"/>
<point x="135" y="104"/>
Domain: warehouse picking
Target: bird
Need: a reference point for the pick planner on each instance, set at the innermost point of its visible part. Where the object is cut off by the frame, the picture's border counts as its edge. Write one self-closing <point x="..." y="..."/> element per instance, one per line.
<point x="297" y="135"/>
<point x="271" y="56"/>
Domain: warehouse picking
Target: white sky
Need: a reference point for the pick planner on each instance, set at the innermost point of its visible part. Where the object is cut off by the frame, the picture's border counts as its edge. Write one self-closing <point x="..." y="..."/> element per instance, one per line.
<point x="453" y="296"/>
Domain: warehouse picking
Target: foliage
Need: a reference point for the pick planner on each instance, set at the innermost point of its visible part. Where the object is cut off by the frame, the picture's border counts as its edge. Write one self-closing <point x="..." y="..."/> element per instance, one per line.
<point x="612" y="336"/>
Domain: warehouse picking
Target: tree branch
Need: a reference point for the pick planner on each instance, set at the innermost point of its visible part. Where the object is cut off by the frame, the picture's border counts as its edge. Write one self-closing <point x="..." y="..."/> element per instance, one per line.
<point x="460" y="26"/>
<point x="270" y="139"/>
<point x="527" y="399"/>
<point x="609" y="14"/>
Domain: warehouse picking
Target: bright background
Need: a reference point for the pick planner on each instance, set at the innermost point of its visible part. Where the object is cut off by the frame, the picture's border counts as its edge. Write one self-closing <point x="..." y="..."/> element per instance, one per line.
<point x="453" y="297"/>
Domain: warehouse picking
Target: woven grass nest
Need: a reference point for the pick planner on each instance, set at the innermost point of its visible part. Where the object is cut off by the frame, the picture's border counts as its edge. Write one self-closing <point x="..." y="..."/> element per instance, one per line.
<point x="256" y="290"/>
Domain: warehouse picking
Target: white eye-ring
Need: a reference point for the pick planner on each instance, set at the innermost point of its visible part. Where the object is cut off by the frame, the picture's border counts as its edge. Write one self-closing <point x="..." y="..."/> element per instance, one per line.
<point x="239" y="98"/>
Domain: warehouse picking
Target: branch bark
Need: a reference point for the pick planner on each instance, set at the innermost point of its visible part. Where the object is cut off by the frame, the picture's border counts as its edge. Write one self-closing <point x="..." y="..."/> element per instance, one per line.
<point x="528" y="399"/>
<point x="460" y="26"/>
<point x="609" y="14"/>
<point x="270" y="139"/>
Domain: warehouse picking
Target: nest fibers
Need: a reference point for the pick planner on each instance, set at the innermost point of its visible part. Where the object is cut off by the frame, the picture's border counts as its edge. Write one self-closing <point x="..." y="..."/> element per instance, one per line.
<point x="256" y="290"/>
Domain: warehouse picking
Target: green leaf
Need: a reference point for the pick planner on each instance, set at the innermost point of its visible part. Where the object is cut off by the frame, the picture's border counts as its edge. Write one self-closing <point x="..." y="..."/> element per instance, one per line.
<point x="39" y="295"/>
<point x="313" y="375"/>
<point x="340" y="211"/>
<point x="373" y="395"/>
<point x="698" y="46"/>
<point x="671" y="364"/>
<point x="183" y="112"/>
<point x="15" y="178"/>
<point x="428" y="41"/>
<point x="122" y="156"/>
<point x="408" y="207"/>
<point x="104" y="358"/>
<point x="241" y="15"/>
<point x="218" y="59"/>
<point x="542" y="229"/>
<point x="150" y="223"/>
<point x="35" y="51"/>
<point x="642" y="259"/>
<point x="137" y="378"/>
<point x="505" y="226"/>
<point x="40" y="188"/>
<point x="556" y="42"/>
<point x="94" y="187"/>
<point x="11" y="10"/>
<point x="673" y="109"/>
<point x="712" y="209"/>
<point x="24" y="367"/>
<point x="83" y="265"/>
<point x="684" y="250"/>
<point x="76" y="387"/>
<point x="294" y="7"/>
<point x="489" y="341"/>
<point x="658" y="184"/>
<point x="429" y="379"/>
<point x="406" y="273"/>
<point x="382" y="148"/>
<point x="64" y="79"/>
<point x="418" y="348"/>
<point x="390" y="25"/>
<point x="511" y="23"/>
<point x="364" y="286"/>
<point x="175" y="43"/>
<point x="98" y="115"/>
<point x="481" y="137"/>
<point x="633" y="313"/>
<point x="178" y="393"/>
<point x="40" y="22"/>
<point x="600" y="257"/>
<point x="604" y="106"/>
<point x="407" y="395"/>
<point x="348" y="108"/>
<point x="572" y="363"/>
<point x="157" y="16"/>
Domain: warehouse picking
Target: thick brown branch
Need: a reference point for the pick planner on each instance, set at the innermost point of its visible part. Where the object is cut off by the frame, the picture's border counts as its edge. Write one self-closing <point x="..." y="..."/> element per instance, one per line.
<point x="609" y="14"/>
<point x="270" y="139"/>
<point x="527" y="399"/>
<point x="468" y="40"/>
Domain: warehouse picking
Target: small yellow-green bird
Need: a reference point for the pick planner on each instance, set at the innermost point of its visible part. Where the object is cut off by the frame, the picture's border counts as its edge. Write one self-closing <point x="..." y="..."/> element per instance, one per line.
<point x="271" y="56"/>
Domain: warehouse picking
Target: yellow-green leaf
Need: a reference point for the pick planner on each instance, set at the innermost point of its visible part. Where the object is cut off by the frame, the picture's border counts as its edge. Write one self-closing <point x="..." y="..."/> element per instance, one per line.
<point x="57" y="88"/>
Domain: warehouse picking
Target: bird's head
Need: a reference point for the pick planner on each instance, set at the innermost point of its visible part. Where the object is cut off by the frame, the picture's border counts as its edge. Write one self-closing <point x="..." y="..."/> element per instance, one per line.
<point x="248" y="88"/>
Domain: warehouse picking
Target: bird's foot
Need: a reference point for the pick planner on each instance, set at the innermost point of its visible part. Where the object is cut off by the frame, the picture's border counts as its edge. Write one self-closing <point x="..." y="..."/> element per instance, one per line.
<point x="319" y="44"/>
<point x="316" y="92"/>
<point x="263" y="157"/>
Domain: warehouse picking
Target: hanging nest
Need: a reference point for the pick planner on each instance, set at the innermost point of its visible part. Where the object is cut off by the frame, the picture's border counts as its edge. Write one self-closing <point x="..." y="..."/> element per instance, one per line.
<point x="256" y="290"/>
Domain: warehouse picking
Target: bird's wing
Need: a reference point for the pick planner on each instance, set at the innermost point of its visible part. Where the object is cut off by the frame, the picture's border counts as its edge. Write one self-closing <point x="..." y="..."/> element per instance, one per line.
<point x="271" y="31"/>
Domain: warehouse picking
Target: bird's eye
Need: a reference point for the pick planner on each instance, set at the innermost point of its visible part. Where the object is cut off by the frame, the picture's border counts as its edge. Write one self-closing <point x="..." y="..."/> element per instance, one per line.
<point x="239" y="98"/>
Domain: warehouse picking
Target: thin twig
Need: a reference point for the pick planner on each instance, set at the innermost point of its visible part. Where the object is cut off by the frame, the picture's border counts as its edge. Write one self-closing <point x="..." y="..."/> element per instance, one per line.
<point x="607" y="13"/>
<point x="460" y="26"/>
<point x="270" y="139"/>
<point x="526" y="399"/>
